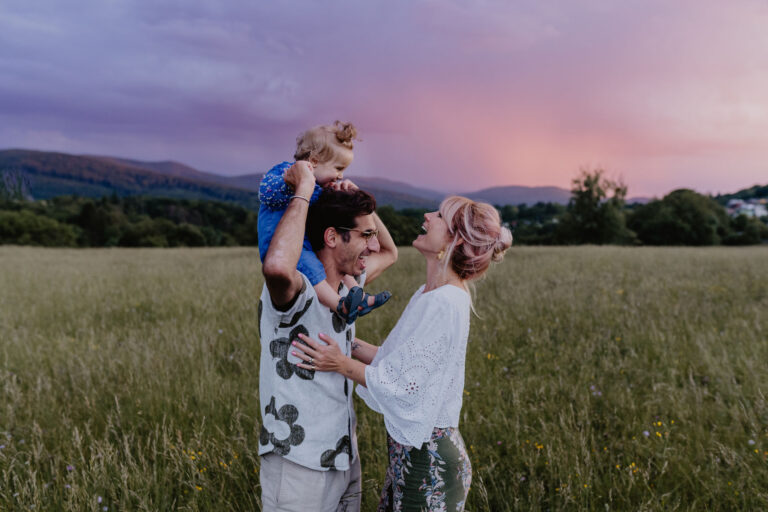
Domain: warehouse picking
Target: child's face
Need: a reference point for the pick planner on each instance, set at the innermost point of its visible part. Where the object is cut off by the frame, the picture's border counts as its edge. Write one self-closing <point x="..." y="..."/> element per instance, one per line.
<point x="332" y="170"/>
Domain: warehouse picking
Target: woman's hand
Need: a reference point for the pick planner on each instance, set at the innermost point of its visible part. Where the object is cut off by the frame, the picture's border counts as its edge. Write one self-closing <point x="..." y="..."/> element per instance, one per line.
<point x="319" y="357"/>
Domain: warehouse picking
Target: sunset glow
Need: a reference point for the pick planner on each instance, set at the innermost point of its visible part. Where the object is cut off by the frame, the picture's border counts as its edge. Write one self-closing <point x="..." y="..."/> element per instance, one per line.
<point x="450" y="95"/>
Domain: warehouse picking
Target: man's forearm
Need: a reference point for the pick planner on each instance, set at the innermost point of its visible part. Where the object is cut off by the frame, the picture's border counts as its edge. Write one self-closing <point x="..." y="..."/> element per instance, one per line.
<point x="285" y="247"/>
<point x="386" y="255"/>
<point x="386" y="242"/>
<point x="280" y="274"/>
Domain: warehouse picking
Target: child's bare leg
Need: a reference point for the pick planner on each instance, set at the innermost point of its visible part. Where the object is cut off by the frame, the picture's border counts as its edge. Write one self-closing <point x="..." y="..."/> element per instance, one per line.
<point x="327" y="295"/>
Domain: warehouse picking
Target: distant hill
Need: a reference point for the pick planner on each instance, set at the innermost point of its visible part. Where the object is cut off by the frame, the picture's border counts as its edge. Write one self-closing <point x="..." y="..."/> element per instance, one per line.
<point x="518" y="194"/>
<point x="167" y="167"/>
<point x="53" y="174"/>
<point x="754" y="192"/>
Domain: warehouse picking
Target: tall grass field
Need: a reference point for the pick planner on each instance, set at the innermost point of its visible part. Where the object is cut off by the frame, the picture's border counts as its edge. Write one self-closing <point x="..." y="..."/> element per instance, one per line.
<point x="598" y="378"/>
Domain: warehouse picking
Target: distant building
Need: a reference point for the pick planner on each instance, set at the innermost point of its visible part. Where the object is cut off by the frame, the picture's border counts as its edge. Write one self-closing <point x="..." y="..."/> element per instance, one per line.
<point x="749" y="207"/>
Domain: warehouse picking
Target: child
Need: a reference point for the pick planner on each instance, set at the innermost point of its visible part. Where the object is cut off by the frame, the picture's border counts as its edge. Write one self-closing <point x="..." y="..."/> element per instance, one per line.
<point x="329" y="151"/>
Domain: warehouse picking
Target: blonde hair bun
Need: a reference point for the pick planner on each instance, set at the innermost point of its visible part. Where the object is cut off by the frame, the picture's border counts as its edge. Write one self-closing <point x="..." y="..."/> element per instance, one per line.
<point x="503" y="243"/>
<point x="345" y="133"/>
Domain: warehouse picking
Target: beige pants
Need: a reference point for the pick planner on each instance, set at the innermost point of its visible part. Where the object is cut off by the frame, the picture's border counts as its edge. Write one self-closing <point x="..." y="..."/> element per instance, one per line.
<point x="289" y="487"/>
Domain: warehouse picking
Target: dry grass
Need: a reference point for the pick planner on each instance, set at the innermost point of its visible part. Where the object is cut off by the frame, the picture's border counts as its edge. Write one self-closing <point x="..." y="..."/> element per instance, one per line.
<point x="597" y="378"/>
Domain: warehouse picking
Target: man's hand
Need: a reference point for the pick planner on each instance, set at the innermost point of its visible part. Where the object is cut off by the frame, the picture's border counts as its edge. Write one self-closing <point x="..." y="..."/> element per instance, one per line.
<point x="301" y="177"/>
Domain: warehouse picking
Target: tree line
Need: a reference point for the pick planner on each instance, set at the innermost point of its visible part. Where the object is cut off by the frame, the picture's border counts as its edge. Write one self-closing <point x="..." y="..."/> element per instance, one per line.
<point x="596" y="214"/>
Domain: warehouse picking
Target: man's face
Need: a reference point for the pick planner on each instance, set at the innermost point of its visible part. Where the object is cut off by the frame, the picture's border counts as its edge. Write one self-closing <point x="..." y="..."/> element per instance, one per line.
<point x="351" y="257"/>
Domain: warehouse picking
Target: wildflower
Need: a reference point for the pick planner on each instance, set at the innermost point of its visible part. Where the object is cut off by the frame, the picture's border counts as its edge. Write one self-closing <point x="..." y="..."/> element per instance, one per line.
<point x="221" y="331"/>
<point x="98" y="499"/>
<point x="646" y="433"/>
<point x="198" y="488"/>
<point x="498" y="442"/>
<point x="658" y="424"/>
<point x="522" y="479"/>
<point x="2" y="447"/>
<point x="751" y="442"/>
<point x="70" y="467"/>
<point x="67" y="486"/>
<point x="658" y="434"/>
<point x="105" y="509"/>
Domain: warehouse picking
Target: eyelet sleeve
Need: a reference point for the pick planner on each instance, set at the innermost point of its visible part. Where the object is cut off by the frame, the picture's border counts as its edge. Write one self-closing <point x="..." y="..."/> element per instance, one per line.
<point x="407" y="382"/>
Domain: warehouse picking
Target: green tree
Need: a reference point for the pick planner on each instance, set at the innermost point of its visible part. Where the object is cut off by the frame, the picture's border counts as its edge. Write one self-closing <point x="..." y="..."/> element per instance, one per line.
<point x="27" y="228"/>
<point x="746" y="231"/>
<point x="404" y="226"/>
<point x="682" y="217"/>
<point x="595" y="213"/>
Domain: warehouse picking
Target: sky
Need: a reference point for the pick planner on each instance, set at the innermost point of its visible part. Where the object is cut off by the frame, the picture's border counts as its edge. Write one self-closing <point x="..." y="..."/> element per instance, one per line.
<point x="451" y="95"/>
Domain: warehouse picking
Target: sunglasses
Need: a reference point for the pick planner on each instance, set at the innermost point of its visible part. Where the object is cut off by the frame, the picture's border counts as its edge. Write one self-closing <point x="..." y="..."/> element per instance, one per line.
<point x="368" y="234"/>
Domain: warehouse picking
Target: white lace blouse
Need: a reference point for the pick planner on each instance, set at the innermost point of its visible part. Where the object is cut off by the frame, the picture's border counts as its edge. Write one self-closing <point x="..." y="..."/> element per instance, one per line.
<point x="416" y="379"/>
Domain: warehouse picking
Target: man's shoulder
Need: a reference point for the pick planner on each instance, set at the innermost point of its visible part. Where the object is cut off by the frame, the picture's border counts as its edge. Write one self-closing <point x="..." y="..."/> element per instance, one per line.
<point x="306" y="292"/>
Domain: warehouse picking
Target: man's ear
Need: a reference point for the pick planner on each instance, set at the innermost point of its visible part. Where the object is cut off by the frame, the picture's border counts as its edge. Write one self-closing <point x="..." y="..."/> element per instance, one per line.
<point x="330" y="237"/>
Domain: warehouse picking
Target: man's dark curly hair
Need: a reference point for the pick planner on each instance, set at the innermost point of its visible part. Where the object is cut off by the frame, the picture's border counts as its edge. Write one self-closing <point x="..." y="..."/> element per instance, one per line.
<point x="337" y="209"/>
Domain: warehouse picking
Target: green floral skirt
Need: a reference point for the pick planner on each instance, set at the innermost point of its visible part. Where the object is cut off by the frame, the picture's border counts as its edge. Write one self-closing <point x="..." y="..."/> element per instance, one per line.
<point x="434" y="477"/>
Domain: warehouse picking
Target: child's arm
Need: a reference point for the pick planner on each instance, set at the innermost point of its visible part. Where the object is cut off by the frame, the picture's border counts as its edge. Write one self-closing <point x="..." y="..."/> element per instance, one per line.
<point x="327" y="295"/>
<point x="363" y="351"/>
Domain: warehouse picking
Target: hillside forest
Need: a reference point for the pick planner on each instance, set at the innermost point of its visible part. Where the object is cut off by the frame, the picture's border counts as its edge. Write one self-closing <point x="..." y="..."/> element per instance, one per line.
<point x="597" y="213"/>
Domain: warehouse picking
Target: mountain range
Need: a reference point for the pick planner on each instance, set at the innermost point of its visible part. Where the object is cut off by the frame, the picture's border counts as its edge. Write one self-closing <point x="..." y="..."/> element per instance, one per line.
<point x="50" y="174"/>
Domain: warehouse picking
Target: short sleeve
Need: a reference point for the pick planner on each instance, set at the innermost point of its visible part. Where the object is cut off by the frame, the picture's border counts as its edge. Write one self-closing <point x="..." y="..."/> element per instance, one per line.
<point x="274" y="192"/>
<point x="406" y="385"/>
<point x="299" y="306"/>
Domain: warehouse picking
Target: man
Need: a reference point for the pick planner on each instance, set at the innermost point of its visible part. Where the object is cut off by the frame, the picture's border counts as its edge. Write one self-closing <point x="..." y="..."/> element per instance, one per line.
<point x="308" y="446"/>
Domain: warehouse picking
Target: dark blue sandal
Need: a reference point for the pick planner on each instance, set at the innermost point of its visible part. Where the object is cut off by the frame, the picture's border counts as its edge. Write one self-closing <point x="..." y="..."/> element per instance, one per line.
<point x="381" y="298"/>
<point x="351" y="303"/>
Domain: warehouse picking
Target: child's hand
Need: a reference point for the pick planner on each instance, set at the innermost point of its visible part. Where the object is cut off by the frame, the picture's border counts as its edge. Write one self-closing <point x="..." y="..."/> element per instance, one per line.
<point x="299" y="175"/>
<point x="345" y="185"/>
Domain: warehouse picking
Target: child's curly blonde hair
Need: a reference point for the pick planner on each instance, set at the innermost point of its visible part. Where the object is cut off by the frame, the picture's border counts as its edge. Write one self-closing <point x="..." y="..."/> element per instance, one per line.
<point x="322" y="141"/>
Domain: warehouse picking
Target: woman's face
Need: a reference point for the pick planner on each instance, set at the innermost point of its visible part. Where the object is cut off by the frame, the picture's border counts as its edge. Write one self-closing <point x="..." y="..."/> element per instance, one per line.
<point x="435" y="236"/>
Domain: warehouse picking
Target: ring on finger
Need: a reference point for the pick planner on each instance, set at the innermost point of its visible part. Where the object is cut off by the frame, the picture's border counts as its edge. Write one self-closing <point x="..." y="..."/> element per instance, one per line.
<point x="311" y="361"/>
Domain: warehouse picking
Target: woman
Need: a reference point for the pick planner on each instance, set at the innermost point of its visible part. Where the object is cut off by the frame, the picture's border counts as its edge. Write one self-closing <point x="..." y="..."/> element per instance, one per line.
<point x="416" y="378"/>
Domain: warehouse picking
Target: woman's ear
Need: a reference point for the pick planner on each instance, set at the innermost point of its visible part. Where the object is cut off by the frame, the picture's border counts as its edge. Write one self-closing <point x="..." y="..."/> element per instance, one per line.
<point x="313" y="161"/>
